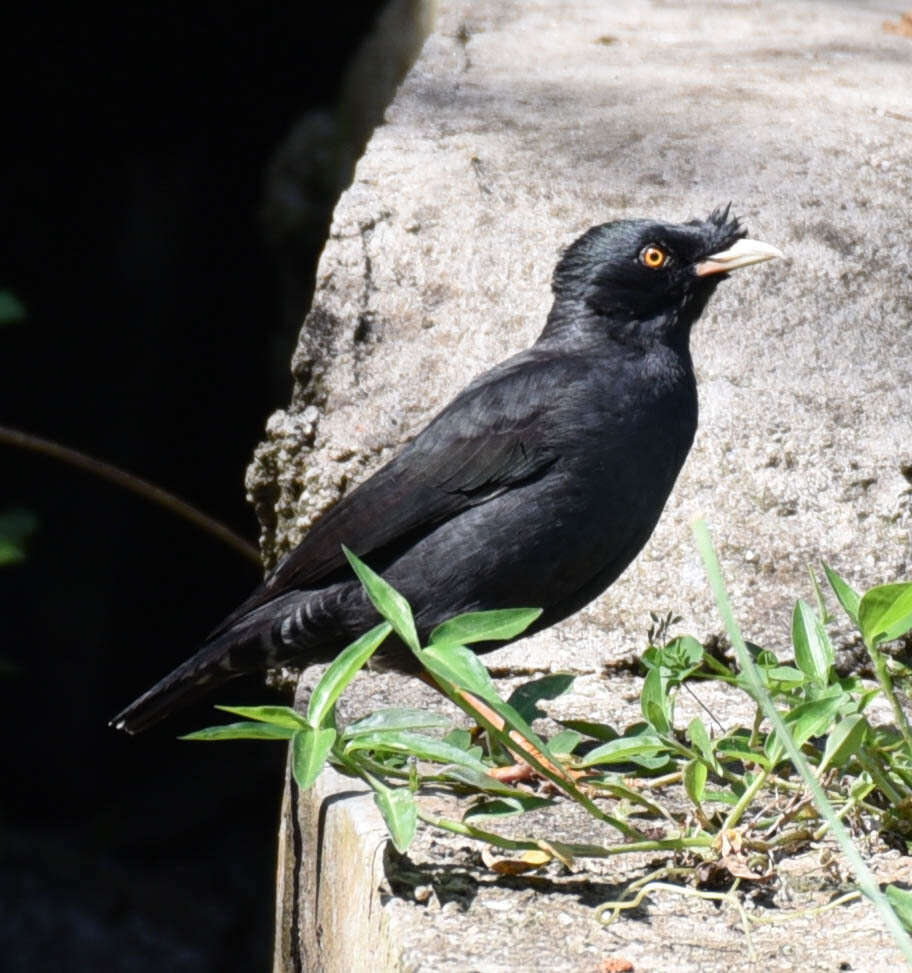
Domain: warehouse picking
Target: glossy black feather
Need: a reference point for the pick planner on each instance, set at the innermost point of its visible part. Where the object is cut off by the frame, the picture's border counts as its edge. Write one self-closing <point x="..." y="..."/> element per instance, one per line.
<point x="536" y="486"/>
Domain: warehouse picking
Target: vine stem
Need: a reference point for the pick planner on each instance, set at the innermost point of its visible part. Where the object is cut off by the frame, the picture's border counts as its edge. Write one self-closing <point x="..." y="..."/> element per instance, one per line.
<point x="886" y="684"/>
<point x="129" y="481"/>
<point x="576" y="850"/>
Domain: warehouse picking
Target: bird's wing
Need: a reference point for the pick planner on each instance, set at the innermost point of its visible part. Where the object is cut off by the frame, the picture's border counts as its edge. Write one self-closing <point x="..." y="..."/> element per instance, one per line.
<point x="492" y="436"/>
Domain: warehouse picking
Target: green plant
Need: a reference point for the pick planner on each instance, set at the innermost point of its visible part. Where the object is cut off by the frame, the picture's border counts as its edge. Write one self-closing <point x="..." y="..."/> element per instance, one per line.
<point x="741" y="804"/>
<point x="12" y="310"/>
<point x="15" y="526"/>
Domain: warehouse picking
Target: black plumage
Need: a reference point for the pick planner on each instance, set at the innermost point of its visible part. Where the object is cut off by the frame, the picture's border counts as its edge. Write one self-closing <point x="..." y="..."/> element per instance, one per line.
<point x="536" y="486"/>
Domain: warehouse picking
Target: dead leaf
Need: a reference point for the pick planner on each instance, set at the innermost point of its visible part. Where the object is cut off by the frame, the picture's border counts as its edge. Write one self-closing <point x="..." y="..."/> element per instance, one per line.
<point x="529" y="861"/>
<point x="615" y="965"/>
<point x="903" y="28"/>
<point x="721" y="873"/>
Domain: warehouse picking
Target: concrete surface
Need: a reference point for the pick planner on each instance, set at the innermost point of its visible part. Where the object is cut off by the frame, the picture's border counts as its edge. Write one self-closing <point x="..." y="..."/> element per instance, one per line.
<point x="525" y="121"/>
<point x="349" y="903"/>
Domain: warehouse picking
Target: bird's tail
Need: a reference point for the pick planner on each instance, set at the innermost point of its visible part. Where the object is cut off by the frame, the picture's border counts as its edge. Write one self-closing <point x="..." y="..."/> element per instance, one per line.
<point x="242" y="643"/>
<point x="210" y="667"/>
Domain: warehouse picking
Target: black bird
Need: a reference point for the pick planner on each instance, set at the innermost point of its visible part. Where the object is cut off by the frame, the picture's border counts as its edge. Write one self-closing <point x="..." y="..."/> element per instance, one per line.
<point x="536" y="486"/>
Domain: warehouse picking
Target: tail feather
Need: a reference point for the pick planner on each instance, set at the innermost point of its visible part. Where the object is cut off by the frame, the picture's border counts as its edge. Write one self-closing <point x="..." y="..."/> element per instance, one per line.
<point x="291" y="626"/>
<point x="210" y="667"/>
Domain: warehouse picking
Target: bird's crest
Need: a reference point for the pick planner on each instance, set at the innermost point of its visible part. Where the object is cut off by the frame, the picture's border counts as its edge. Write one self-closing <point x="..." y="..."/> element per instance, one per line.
<point x="727" y="228"/>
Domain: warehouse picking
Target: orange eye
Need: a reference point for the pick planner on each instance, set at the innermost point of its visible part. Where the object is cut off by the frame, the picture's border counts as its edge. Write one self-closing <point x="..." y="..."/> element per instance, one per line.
<point x="653" y="257"/>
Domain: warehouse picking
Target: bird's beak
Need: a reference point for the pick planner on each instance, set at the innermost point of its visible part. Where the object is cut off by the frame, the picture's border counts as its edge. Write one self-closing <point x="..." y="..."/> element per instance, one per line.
<point x="742" y="253"/>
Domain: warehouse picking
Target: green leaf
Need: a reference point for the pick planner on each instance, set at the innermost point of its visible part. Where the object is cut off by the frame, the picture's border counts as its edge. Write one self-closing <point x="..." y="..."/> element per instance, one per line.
<point x="466" y="681"/>
<point x="651" y="657"/>
<point x="885" y="612"/>
<point x="487" y="626"/>
<point x="12" y="310"/>
<point x="809" y="719"/>
<point x="460" y="738"/>
<point x="764" y="658"/>
<point x="843" y="742"/>
<point x="720" y="797"/>
<point x="340" y="673"/>
<point x="822" y="612"/>
<point x="588" y="728"/>
<point x="524" y="699"/>
<point x="679" y="658"/>
<point x="461" y="668"/>
<point x="651" y="762"/>
<point x="785" y="674"/>
<point x="397" y="718"/>
<point x="654" y="701"/>
<point x="813" y="650"/>
<point x="623" y="750"/>
<point x="699" y="737"/>
<point x="15" y="526"/>
<point x="846" y="595"/>
<point x="309" y="751"/>
<point x="682" y="655"/>
<point x="10" y="552"/>
<point x="736" y="748"/>
<point x="415" y="745"/>
<point x="901" y="900"/>
<point x="391" y="605"/>
<point x="397" y="805"/>
<point x="242" y="731"/>
<point x="744" y="755"/>
<point x="505" y="807"/>
<point x="565" y="742"/>
<point x="278" y="715"/>
<point x="695" y="780"/>
<point x="884" y="737"/>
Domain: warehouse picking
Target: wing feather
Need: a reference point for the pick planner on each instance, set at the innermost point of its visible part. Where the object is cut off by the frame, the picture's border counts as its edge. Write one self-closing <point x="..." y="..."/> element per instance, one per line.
<point x="492" y="436"/>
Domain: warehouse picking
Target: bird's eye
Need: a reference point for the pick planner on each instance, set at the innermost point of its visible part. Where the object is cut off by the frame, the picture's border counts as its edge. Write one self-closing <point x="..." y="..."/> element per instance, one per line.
<point x="653" y="257"/>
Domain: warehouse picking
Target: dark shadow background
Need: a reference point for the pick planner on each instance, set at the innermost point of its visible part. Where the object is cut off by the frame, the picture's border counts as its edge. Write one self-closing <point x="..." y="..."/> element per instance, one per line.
<point x="135" y="147"/>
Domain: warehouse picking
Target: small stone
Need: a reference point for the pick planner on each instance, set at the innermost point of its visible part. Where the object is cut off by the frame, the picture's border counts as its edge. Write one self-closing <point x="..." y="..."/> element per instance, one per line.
<point x="497" y="905"/>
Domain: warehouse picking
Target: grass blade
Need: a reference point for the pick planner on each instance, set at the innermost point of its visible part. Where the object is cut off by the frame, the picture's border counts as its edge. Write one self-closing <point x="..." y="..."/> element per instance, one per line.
<point x="866" y="881"/>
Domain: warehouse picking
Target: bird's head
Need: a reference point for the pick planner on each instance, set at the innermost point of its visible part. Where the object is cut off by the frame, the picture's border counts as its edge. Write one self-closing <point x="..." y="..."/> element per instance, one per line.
<point x="649" y="280"/>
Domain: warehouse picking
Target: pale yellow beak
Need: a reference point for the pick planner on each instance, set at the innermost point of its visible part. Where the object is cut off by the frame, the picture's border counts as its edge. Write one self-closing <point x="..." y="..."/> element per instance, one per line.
<point x="742" y="253"/>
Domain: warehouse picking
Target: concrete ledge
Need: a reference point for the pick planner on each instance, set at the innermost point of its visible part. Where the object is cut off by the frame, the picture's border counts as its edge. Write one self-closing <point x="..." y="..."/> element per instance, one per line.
<point x="330" y="869"/>
<point x="349" y="903"/>
<point x="522" y="123"/>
